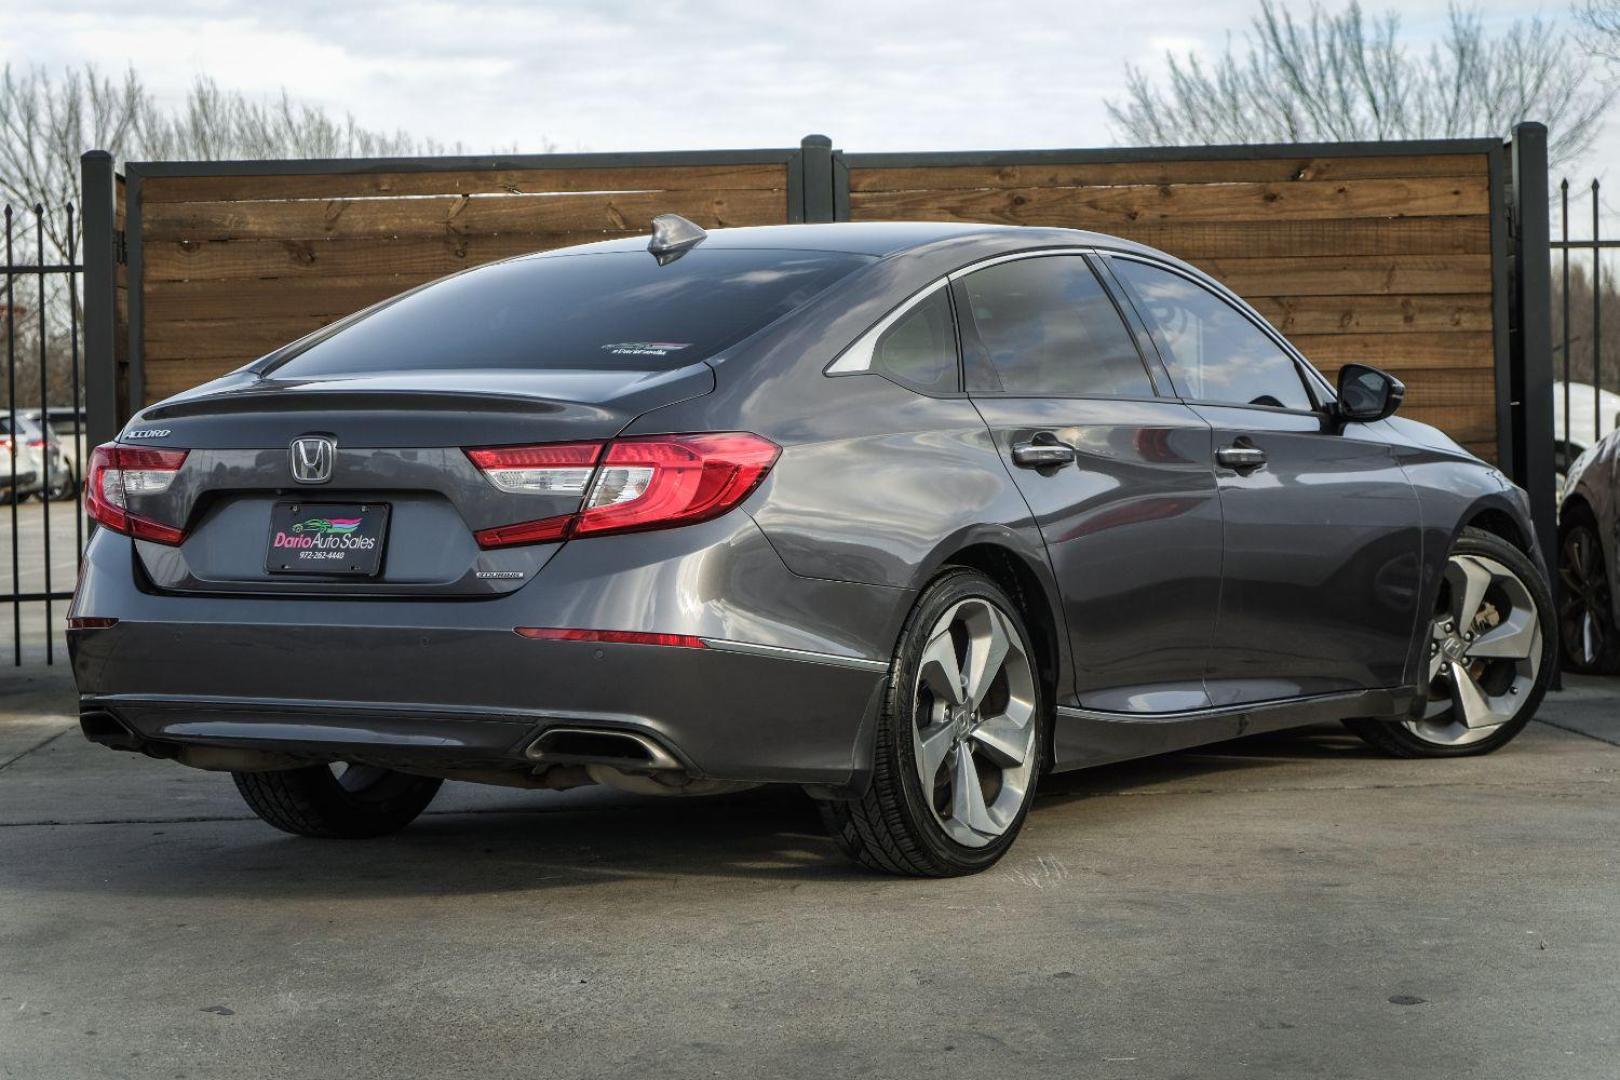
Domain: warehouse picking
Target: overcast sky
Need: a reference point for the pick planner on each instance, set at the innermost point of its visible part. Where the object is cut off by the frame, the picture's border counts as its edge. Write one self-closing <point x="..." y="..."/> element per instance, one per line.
<point x="619" y="75"/>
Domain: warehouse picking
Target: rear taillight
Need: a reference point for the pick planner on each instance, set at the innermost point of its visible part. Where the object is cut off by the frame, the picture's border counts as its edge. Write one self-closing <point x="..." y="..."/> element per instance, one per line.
<point x="117" y="472"/>
<point x="560" y="469"/>
<point x="630" y="485"/>
<point x="36" y="444"/>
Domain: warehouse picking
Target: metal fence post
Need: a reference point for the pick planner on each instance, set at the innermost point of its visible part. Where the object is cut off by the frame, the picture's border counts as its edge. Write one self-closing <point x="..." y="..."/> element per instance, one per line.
<point x="1531" y="333"/>
<point x="100" y="316"/>
<point x="817" y="157"/>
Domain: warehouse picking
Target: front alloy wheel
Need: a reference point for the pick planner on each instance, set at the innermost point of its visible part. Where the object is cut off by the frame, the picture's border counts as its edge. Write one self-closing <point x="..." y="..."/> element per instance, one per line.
<point x="1484" y="652"/>
<point x="1487" y="655"/>
<point x="960" y="741"/>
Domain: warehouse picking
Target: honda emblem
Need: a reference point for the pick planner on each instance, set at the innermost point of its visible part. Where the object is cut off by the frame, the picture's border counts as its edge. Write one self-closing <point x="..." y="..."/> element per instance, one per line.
<point x="312" y="458"/>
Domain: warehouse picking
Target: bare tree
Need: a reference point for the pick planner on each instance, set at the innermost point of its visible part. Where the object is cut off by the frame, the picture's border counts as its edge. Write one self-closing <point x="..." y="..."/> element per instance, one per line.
<point x="218" y="125"/>
<point x="1350" y="76"/>
<point x="47" y="120"/>
<point x="46" y="123"/>
<point x="1601" y="20"/>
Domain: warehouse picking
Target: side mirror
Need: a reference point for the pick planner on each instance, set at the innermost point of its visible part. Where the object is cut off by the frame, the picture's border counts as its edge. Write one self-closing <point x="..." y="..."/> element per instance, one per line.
<point x="1367" y="394"/>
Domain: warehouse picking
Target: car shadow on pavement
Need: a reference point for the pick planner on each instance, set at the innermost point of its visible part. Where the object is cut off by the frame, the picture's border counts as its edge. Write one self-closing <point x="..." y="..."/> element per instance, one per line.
<point x="493" y="842"/>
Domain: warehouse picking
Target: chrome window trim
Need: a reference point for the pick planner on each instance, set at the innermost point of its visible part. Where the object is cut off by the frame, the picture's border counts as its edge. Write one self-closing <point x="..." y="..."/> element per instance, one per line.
<point x="997" y="260"/>
<point x="857" y="359"/>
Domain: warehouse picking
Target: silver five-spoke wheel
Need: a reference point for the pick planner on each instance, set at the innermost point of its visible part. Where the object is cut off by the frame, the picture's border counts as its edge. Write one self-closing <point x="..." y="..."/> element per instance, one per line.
<point x="974" y="737"/>
<point x="1484" y="652"/>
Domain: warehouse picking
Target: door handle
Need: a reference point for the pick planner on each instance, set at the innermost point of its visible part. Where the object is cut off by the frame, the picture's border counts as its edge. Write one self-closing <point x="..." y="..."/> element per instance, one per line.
<point x="1043" y="451"/>
<point x="1240" y="456"/>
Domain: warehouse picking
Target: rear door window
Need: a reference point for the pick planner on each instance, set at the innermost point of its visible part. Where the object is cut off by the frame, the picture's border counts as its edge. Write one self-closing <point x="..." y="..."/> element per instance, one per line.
<point x="608" y="311"/>
<point x="1044" y="327"/>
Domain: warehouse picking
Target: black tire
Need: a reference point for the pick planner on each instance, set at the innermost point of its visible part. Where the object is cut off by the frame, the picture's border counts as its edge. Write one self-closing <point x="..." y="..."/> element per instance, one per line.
<point x="1393" y="738"/>
<point x="1589" y="642"/>
<point x="892" y="827"/>
<point x="367" y="801"/>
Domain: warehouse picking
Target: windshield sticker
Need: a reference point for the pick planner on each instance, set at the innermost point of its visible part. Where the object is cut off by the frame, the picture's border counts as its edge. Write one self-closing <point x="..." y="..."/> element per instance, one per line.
<point x="646" y="348"/>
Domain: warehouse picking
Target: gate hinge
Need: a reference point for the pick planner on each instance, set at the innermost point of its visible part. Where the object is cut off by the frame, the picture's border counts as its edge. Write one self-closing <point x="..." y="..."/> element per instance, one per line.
<point x="120" y="248"/>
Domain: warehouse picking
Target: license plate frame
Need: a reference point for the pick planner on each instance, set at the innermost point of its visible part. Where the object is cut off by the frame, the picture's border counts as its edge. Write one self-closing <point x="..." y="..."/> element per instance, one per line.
<point x="326" y="539"/>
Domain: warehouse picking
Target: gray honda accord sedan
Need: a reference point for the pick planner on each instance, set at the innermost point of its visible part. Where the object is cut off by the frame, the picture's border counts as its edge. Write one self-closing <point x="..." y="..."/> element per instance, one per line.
<point x="910" y="515"/>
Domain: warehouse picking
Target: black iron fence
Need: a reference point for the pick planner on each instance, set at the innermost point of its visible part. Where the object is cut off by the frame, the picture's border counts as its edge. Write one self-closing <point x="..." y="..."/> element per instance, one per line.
<point x="42" y="446"/>
<point x="1579" y="345"/>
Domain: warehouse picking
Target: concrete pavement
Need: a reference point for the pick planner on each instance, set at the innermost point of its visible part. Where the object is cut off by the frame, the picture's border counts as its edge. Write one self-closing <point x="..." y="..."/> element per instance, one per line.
<point x="1283" y="906"/>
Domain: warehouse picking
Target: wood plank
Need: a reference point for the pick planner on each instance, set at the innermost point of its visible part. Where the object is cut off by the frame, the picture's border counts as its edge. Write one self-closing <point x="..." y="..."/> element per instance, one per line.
<point x="1424" y="349"/>
<point x="1330" y="275"/>
<point x="212" y="339"/>
<point x="1363" y="236"/>
<point x="1447" y="389"/>
<point x="269" y="298"/>
<point x="332" y="185"/>
<point x="165" y="379"/>
<point x="1374" y="314"/>
<point x="1111" y="173"/>
<point x="319" y="259"/>
<point x="1466" y="424"/>
<point x="1109" y="207"/>
<point x="310" y="219"/>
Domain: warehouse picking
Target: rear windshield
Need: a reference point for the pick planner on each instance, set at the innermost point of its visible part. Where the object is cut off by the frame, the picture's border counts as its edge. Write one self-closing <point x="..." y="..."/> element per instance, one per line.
<point x="612" y="310"/>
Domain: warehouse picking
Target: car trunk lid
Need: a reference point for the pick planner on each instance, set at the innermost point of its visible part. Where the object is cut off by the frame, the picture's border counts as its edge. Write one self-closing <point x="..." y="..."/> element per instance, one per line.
<point x="397" y="447"/>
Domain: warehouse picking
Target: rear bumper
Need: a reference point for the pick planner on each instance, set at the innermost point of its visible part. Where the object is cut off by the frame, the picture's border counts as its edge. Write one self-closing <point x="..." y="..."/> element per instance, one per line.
<point x="449" y="685"/>
<point x="27" y="480"/>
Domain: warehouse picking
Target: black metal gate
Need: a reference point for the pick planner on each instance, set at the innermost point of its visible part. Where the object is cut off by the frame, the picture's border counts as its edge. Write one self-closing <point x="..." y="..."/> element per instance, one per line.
<point x="1579" y="341"/>
<point x="42" y="446"/>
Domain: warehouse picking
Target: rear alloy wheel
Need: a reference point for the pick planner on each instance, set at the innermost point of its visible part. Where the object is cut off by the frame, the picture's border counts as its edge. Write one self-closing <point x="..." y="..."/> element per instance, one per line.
<point x="338" y="800"/>
<point x="960" y="741"/>
<point x="1488" y="655"/>
<point x="1585" y="613"/>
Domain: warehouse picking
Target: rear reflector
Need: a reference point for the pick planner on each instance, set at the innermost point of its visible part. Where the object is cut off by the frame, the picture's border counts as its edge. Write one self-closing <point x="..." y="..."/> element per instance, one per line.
<point x="611" y="637"/>
<point x="117" y="472"/>
<point x="631" y="485"/>
<point x="90" y="622"/>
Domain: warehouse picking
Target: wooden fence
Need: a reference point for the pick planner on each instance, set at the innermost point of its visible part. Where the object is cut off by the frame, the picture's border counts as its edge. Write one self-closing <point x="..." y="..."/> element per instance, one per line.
<point x="1405" y="255"/>
<point x="233" y="265"/>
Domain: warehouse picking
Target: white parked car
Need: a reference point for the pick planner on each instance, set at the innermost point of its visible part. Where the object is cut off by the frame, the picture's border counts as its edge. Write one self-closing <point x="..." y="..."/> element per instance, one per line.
<point x="22" y="464"/>
<point x="1584" y="409"/>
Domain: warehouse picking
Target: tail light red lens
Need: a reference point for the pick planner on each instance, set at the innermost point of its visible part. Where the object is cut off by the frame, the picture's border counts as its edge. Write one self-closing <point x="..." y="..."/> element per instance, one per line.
<point x="662" y="481"/>
<point x="36" y="444"/>
<point x="560" y="469"/>
<point x="633" y="485"/>
<point x="117" y="472"/>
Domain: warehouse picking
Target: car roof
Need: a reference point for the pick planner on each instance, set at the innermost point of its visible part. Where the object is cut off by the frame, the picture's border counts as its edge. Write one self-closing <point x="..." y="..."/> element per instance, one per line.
<point x="875" y="238"/>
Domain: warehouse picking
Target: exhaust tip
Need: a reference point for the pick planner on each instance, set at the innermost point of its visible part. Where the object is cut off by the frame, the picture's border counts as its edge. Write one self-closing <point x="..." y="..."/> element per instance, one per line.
<point x="104" y="729"/>
<point x="601" y="746"/>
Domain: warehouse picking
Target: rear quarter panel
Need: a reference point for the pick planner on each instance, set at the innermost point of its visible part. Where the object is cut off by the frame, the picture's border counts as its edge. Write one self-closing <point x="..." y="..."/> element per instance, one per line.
<point x="876" y="484"/>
